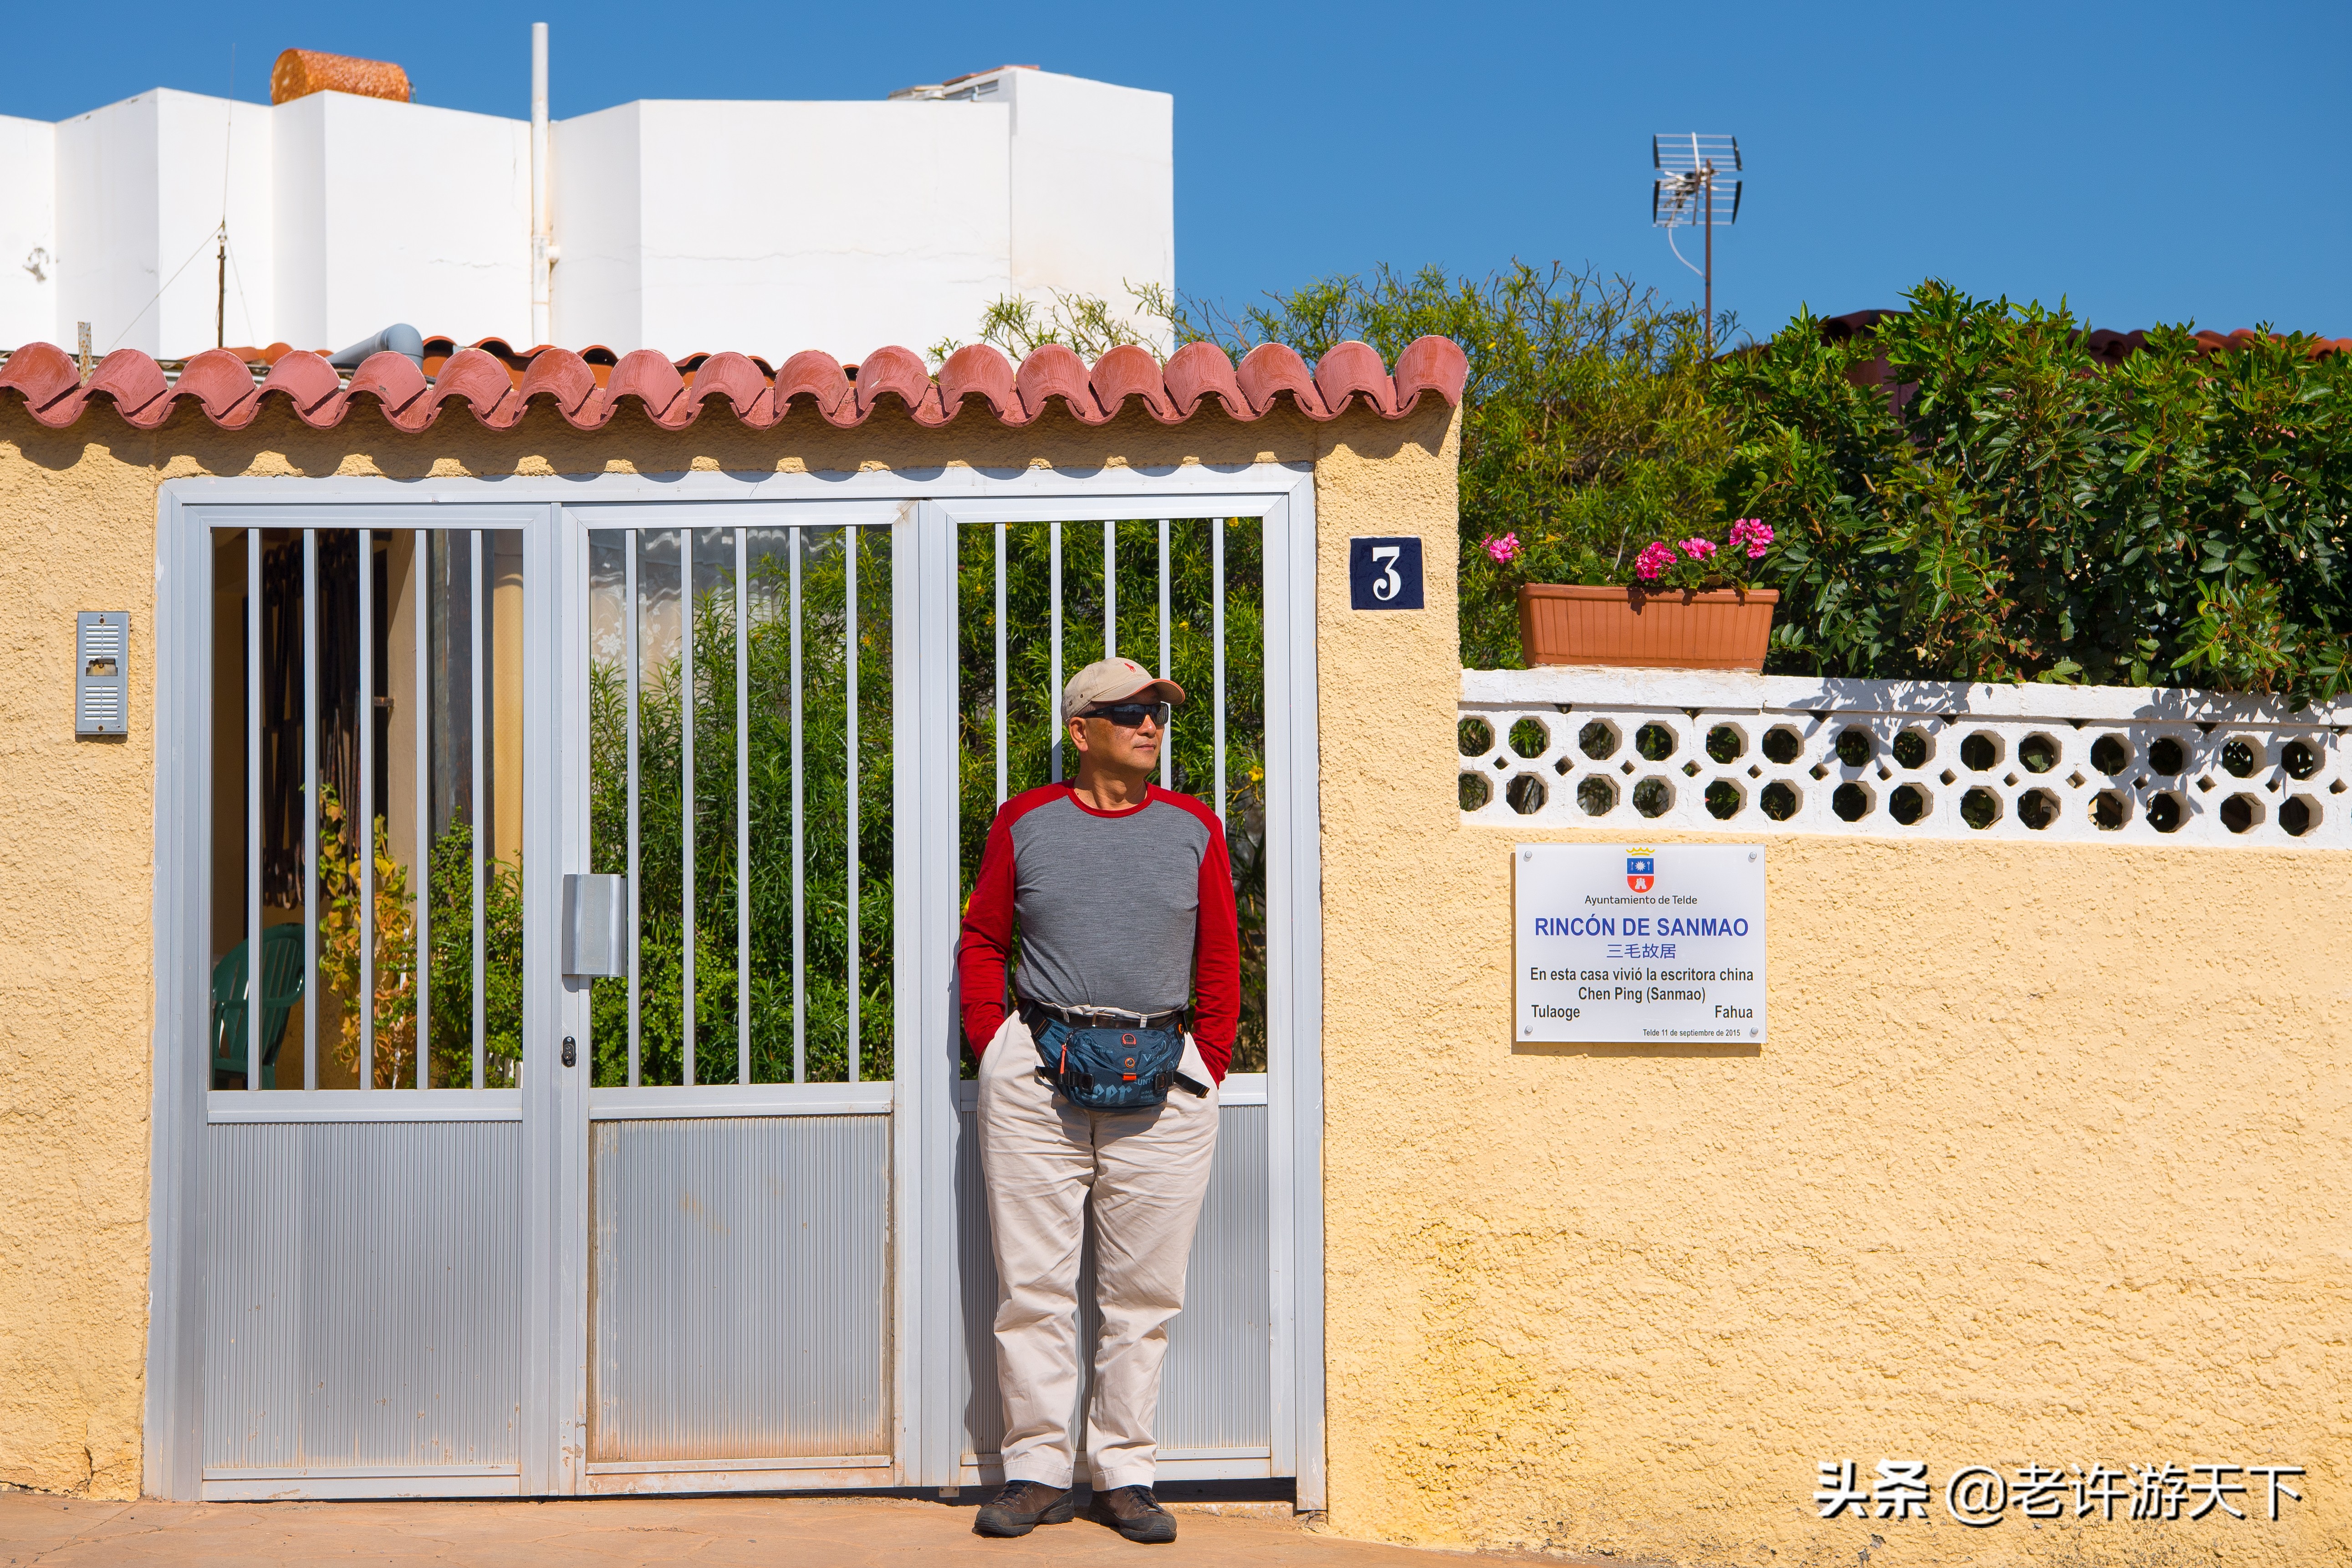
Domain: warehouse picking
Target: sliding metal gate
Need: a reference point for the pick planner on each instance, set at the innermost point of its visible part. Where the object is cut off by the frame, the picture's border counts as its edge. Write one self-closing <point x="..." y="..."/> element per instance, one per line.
<point x="435" y="1216"/>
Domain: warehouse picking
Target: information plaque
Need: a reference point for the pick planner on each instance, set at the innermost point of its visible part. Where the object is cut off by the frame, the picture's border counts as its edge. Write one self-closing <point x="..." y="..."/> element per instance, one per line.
<point x="1635" y="944"/>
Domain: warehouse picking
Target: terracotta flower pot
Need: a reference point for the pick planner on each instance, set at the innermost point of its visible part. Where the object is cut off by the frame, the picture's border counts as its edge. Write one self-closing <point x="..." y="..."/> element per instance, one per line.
<point x="1720" y="629"/>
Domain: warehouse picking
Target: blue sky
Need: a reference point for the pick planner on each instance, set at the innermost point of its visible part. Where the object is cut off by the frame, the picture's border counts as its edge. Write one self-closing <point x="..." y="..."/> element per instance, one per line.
<point x="2156" y="161"/>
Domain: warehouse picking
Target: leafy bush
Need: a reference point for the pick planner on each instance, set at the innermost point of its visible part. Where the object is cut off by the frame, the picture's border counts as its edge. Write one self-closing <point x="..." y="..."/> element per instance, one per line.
<point x="2031" y="514"/>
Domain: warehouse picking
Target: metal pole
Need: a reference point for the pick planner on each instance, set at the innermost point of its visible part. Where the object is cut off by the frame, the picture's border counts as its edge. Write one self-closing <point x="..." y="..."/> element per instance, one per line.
<point x="1001" y="759"/>
<point x="367" y="808"/>
<point x="800" y="900"/>
<point x="1110" y="590"/>
<point x="1217" y="652"/>
<point x="686" y="794"/>
<point x="1167" y="740"/>
<point x="1706" y="186"/>
<point x="420" y="579"/>
<point x="742" y="808"/>
<point x="310" y="807"/>
<point x="849" y="537"/>
<point x="1054" y="693"/>
<point x="252" y="808"/>
<point x="474" y="802"/>
<point x="636" y="936"/>
<point x="540" y="328"/>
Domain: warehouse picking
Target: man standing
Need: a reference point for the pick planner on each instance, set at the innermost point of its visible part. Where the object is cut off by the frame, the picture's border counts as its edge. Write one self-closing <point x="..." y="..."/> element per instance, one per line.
<point x="1090" y="1086"/>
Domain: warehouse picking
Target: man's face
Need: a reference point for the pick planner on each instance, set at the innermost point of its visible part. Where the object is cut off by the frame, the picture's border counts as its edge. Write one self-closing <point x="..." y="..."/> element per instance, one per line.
<point x="1134" y="751"/>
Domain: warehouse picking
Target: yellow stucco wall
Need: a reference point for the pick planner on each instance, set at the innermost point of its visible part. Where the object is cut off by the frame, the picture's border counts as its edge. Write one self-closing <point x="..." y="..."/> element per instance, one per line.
<point x="2048" y="1160"/>
<point x="78" y="522"/>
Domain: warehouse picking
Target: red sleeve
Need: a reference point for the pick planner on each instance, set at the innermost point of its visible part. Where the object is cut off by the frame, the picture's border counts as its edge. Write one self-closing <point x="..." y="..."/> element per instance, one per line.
<point x="988" y="936"/>
<point x="1216" y="956"/>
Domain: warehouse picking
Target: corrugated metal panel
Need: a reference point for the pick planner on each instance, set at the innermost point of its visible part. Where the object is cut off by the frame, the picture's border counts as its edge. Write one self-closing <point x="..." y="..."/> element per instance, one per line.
<point x="1216" y="1388"/>
<point x="741" y="1287"/>
<point x="363" y="1294"/>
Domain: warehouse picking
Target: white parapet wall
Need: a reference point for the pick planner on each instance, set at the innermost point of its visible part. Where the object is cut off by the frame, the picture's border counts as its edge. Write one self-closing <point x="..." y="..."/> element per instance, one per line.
<point x="765" y="227"/>
<point x="1622" y="750"/>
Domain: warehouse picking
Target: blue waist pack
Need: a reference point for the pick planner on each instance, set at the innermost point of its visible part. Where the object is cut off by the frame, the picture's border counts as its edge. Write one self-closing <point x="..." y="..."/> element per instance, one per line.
<point x="1121" y="1067"/>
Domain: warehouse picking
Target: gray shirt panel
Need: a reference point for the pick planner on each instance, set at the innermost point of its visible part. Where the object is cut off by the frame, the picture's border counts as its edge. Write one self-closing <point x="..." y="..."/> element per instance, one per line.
<point x="1108" y="905"/>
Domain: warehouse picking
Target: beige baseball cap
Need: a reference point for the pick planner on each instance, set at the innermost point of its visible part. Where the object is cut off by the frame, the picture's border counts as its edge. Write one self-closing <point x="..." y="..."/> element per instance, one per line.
<point x="1114" y="680"/>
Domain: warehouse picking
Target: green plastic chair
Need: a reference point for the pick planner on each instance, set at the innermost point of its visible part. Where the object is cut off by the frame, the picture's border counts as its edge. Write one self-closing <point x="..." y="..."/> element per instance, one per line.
<point x="281" y="987"/>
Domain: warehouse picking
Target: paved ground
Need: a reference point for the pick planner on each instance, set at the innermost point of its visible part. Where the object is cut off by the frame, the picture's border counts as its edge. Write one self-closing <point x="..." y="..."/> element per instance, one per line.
<point x="831" y="1532"/>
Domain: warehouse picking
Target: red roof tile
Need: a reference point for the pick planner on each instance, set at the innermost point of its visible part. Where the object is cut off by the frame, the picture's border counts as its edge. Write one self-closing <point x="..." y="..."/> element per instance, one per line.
<point x="498" y="384"/>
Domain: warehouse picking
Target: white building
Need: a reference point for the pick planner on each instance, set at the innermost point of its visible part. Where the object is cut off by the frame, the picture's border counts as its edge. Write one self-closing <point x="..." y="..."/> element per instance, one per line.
<point x="765" y="227"/>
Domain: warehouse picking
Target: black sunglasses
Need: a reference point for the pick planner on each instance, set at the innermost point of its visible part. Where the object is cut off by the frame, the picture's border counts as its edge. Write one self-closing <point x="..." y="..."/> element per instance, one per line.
<point x="1130" y="715"/>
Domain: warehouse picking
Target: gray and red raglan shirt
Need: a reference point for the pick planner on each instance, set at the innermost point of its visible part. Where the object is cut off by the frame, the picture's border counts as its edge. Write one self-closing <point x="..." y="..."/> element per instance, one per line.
<point x="1131" y="910"/>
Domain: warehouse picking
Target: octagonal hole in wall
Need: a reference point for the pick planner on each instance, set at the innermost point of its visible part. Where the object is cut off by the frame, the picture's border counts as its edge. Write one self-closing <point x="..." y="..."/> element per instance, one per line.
<point x="2299" y="814"/>
<point x="1529" y="737"/>
<point x="1855" y="746"/>
<point x="1782" y="745"/>
<point x="2038" y="753"/>
<point x="2037" y="808"/>
<point x="1913" y="748"/>
<point x="1981" y="808"/>
<point x="1476" y="791"/>
<point x="2165" y="811"/>
<point x="1853" y="801"/>
<point x="1656" y="742"/>
<point x="2110" y="809"/>
<point x="1724" y="800"/>
<point x="1981" y="752"/>
<point x="1726" y="744"/>
<point x="2111" y="754"/>
<point x="1597" y="795"/>
<point x="2299" y="758"/>
<point x="1779" y="800"/>
<point x="2243" y="813"/>
<point x="1654" y="796"/>
<point x="2165" y="756"/>
<point x="1474" y="737"/>
<point x="1526" y="793"/>
<point x="1599" y="739"/>
<point x="2240" y="756"/>
<point x="1907" y="804"/>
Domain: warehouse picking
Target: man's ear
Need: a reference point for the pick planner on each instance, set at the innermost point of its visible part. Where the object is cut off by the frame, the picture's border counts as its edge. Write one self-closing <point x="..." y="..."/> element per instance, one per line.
<point x="1077" y="729"/>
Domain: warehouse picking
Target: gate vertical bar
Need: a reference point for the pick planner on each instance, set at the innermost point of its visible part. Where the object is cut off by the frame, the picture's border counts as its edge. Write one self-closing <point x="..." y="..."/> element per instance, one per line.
<point x="252" y="808"/>
<point x="366" y="846"/>
<point x="475" y="788"/>
<point x="553" y="681"/>
<point x="1003" y="774"/>
<point x="688" y="714"/>
<point x="310" y="807"/>
<point x="849" y="538"/>
<point x="1111" y="588"/>
<point x="1293" y="853"/>
<point x="1217" y="649"/>
<point x="925" y="886"/>
<point x="742" y="808"/>
<point x="1054" y="690"/>
<point x="637" y="931"/>
<point x="1167" y="741"/>
<point x="800" y="901"/>
<point x="420" y="577"/>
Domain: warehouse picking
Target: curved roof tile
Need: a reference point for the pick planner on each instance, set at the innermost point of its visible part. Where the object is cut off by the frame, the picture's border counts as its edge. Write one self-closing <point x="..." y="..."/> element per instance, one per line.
<point x="486" y="380"/>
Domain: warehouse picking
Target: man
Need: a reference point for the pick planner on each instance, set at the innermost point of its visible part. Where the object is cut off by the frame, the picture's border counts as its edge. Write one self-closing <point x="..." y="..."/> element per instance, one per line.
<point x="1125" y="901"/>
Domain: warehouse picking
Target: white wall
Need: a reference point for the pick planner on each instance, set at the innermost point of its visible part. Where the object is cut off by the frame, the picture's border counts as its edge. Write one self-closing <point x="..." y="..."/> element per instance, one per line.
<point x="774" y="228"/>
<point x="399" y="212"/>
<point x="1093" y="188"/>
<point x="763" y="226"/>
<point x="141" y="187"/>
<point x="28" y="221"/>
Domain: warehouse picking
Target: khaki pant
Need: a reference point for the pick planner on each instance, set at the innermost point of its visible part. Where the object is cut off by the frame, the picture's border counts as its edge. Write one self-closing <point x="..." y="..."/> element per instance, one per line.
<point x="1145" y="1169"/>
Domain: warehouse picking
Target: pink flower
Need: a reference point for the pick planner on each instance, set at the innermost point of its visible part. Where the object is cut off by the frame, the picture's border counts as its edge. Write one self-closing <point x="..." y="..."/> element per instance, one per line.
<point x="1652" y="564"/>
<point x="1698" y="549"/>
<point x="1753" y="532"/>
<point x="1504" y="550"/>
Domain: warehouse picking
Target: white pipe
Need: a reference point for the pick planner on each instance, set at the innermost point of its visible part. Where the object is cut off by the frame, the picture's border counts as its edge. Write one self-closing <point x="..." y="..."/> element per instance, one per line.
<point x="541" y="251"/>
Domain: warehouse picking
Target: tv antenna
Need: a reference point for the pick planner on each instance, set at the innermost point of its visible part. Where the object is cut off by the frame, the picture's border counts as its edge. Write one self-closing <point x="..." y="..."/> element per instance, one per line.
<point x="1691" y="166"/>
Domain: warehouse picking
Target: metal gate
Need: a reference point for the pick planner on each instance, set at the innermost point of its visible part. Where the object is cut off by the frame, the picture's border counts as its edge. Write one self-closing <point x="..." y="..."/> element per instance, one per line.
<point x="445" y="1203"/>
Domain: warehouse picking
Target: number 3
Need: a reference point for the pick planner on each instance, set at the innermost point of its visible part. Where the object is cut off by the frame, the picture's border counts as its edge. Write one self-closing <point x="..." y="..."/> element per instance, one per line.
<point x="1388" y="584"/>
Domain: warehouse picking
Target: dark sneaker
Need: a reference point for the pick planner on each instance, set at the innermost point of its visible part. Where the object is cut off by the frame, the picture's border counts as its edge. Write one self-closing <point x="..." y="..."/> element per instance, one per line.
<point x="1021" y="1506"/>
<point x="1135" y="1513"/>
